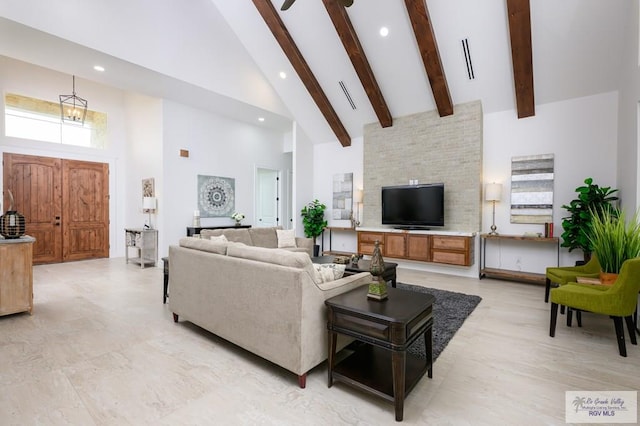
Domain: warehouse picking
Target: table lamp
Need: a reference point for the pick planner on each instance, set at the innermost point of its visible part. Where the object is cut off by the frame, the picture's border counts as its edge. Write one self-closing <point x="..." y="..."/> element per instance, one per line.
<point x="493" y="193"/>
<point x="149" y="206"/>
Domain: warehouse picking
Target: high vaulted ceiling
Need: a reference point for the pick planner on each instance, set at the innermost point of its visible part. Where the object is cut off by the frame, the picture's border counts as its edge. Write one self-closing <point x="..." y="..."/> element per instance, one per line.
<point x="225" y="50"/>
<point x="576" y="47"/>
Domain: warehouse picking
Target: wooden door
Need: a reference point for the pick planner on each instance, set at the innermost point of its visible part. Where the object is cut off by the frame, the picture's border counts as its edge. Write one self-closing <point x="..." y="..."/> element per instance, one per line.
<point x="65" y="204"/>
<point x="35" y="183"/>
<point x="85" y="205"/>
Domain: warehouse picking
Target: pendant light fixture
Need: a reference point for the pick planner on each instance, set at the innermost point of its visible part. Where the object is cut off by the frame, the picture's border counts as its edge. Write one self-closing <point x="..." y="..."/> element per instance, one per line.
<point x="73" y="109"/>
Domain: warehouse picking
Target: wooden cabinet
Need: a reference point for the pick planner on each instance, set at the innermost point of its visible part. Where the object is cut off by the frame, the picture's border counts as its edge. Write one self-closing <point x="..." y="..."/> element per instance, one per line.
<point x="366" y="242"/>
<point x="419" y="247"/>
<point x="395" y="245"/>
<point x="437" y="248"/>
<point x="16" y="275"/>
<point x="452" y="250"/>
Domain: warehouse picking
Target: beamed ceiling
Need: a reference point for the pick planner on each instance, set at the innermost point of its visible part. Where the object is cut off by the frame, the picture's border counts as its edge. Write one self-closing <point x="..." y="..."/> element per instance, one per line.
<point x="573" y="45"/>
<point x="226" y="56"/>
<point x="427" y="46"/>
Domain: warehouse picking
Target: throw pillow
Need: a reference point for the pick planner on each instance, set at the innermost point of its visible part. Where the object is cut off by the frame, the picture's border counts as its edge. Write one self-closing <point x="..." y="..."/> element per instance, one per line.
<point x="286" y="238"/>
<point x="218" y="239"/>
<point x="330" y="271"/>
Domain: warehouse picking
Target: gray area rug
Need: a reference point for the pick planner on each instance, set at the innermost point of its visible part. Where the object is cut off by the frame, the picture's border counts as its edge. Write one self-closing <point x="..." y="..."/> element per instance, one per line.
<point x="449" y="312"/>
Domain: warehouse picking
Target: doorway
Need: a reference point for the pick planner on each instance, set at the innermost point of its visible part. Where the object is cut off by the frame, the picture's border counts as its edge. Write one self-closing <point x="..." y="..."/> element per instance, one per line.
<point x="267" y="197"/>
<point x="65" y="204"/>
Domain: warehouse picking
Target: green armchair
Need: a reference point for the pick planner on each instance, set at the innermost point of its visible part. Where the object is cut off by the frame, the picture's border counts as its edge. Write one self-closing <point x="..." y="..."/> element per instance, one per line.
<point x="618" y="301"/>
<point x="568" y="274"/>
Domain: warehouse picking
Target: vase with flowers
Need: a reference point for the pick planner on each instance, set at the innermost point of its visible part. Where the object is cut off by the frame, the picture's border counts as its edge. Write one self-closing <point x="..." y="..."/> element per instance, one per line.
<point x="238" y="218"/>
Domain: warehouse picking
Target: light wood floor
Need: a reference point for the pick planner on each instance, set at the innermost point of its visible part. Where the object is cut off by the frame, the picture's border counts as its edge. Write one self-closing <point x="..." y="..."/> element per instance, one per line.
<point x="102" y="349"/>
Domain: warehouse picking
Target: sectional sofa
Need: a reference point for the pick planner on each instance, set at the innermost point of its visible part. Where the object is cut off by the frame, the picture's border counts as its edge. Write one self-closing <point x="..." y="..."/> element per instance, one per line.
<point x="268" y="301"/>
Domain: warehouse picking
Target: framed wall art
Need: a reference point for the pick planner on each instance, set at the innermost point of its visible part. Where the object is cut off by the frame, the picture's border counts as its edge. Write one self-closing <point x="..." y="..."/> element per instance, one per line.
<point x="532" y="189"/>
<point x="216" y="196"/>
<point x="148" y="190"/>
<point x="342" y="196"/>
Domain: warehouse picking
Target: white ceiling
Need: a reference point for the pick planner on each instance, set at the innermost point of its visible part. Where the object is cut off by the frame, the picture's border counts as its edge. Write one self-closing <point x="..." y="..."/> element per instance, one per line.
<point x="223" y="50"/>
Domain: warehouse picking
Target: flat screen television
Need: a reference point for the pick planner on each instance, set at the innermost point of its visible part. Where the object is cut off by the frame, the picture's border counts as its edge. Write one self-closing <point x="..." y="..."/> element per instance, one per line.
<point x="413" y="206"/>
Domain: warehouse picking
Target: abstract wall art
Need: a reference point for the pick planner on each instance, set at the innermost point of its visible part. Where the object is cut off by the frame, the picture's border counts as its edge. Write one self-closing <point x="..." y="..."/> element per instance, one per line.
<point x="216" y="196"/>
<point x="342" y="196"/>
<point x="532" y="189"/>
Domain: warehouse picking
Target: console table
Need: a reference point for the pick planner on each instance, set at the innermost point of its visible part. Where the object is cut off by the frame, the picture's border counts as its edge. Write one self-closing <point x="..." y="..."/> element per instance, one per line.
<point x="506" y="274"/>
<point x="145" y="243"/>
<point x="334" y="229"/>
<point x="193" y="230"/>
<point x="383" y="331"/>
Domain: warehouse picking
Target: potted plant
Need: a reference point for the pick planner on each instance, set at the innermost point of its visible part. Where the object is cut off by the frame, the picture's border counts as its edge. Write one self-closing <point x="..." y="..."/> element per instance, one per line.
<point x="613" y="241"/>
<point x="576" y="226"/>
<point x="313" y="221"/>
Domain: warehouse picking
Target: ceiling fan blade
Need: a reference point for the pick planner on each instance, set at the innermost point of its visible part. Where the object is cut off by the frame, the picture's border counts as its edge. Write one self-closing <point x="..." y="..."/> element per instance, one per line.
<point x="346" y="3"/>
<point x="287" y="4"/>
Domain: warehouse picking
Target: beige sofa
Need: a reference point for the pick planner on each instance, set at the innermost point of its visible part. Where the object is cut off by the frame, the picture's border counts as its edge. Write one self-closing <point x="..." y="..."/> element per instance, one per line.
<point x="268" y="301"/>
<point x="258" y="237"/>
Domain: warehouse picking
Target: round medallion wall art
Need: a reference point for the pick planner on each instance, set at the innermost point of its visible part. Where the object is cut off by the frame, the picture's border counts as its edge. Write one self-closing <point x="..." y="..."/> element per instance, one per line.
<point x="216" y="196"/>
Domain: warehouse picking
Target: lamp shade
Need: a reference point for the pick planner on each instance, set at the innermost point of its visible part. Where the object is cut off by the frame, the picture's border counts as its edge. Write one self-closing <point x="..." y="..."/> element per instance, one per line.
<point x="357" y="195"/>
<point x="149" y="203"/>
<point x="493" y="192"/>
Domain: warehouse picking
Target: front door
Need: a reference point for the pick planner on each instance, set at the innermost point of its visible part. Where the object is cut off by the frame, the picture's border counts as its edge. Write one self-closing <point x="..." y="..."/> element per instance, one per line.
<point x="85" y="200"/>
<point x="35" y="183"/>
<point x="65" y="204"/>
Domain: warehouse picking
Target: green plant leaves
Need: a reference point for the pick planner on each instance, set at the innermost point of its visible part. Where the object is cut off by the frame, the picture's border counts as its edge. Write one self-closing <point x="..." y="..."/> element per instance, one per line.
<point x="313" y="219"/>
<point x="577" y="226"/>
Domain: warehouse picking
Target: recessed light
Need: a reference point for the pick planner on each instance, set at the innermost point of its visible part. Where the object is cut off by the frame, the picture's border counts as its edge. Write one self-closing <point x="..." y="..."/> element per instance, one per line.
<point x="98" y="68"/>
<point x="261" y="119"/>
<point x="384" y="31"/>
<point x="283" y="75"/>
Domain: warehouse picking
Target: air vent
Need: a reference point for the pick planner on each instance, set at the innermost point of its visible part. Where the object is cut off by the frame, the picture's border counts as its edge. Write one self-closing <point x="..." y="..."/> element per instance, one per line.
<point x="347" y="94"/>
<point x="467" y="58"/>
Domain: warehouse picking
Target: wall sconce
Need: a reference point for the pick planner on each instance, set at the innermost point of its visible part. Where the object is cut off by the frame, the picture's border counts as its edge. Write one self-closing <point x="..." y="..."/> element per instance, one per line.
<point x="493" y="193"/>
<point x="357" y="199"/>
<point x="149" y="206"/>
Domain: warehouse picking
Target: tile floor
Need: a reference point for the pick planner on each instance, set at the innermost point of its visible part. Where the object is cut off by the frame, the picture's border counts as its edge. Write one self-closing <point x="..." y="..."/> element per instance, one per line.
<point x="102" y="349"/>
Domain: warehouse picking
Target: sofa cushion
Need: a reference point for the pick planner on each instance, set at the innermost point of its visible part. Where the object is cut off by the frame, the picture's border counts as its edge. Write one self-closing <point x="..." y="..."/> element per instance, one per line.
<point x="286" y="238"/>
<point x="329" y="271"/>
<point x="218" y="238"/>
<point x="275" y="256"/>
<point x="263" y="237"/>
<point x="204" y="245"/>
<point x="236" y="235"/>
<point x="283" y="257"/>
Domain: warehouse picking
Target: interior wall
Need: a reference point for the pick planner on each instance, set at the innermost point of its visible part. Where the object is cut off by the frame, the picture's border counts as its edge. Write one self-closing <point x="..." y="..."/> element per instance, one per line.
<point x="304" y="172"/>
<point x="217" y="147"/>
<point x="144" y="153"/>
<point x="582" y="134"/>
<point x="430" y="149"/>
<point x="628" y="114"/>
<point x="37" y="82"/>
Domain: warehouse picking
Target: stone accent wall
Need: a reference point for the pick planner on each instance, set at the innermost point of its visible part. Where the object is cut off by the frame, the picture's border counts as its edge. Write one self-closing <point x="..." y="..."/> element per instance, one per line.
<point x="431" y="149"/>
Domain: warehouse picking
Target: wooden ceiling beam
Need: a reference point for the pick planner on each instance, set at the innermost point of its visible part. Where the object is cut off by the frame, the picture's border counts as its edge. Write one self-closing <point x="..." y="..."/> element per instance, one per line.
<point x="352" y="46"/>
<point x="428" y="47"/>
<point x="284" y="39"/>
<point x="521" y="55"/>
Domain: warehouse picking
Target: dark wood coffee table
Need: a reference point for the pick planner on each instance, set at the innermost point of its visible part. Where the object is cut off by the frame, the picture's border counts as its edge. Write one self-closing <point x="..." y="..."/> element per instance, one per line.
<point x="389" y="273"/>
<point x="386" y="329"/>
